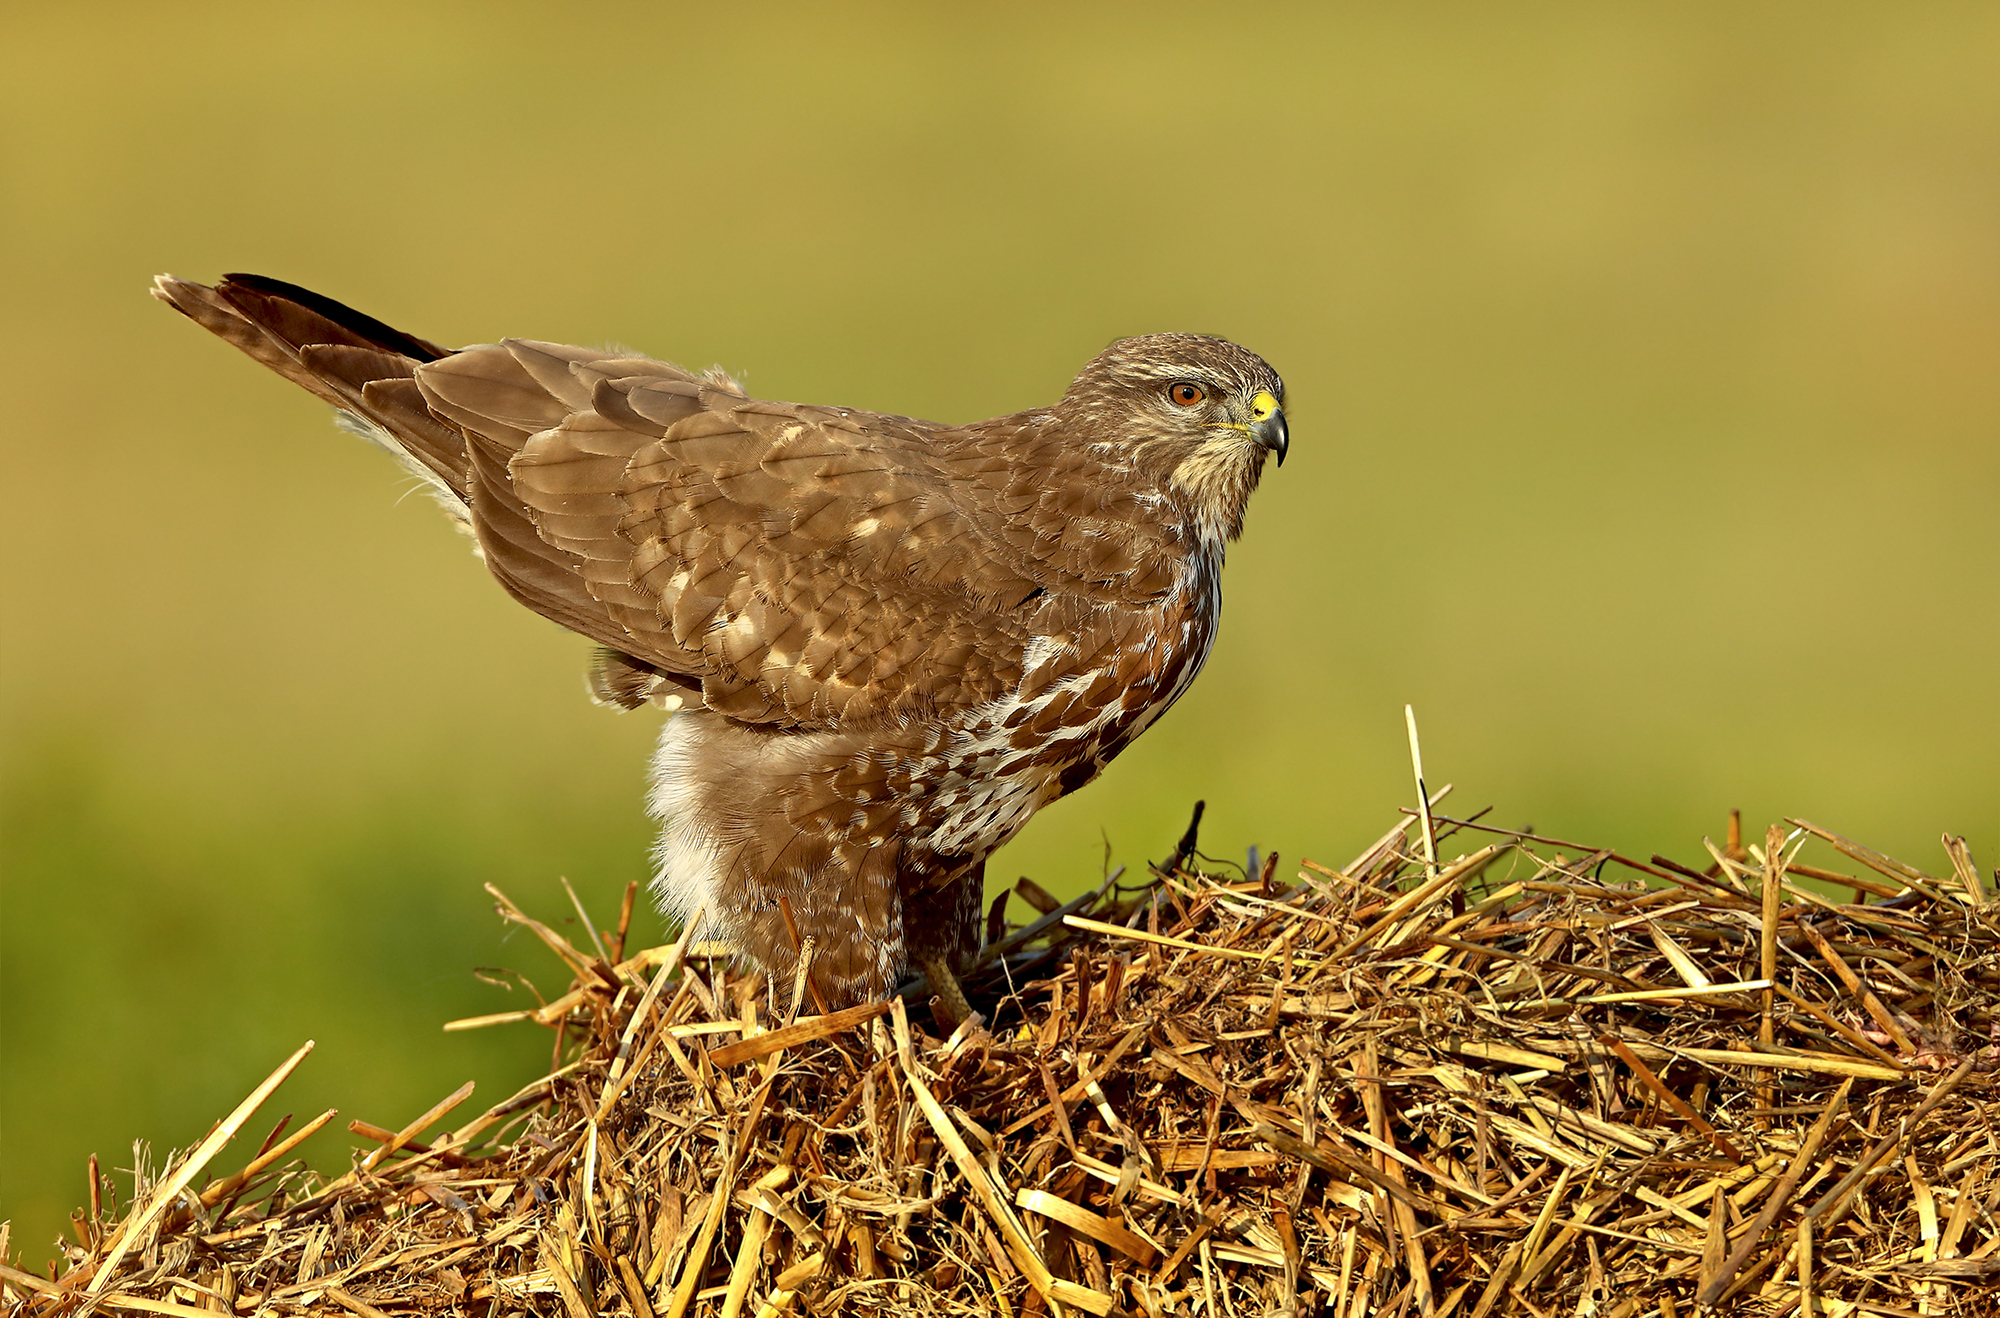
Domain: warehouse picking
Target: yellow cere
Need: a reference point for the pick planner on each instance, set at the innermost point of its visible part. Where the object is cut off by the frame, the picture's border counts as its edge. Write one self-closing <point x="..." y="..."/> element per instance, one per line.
<point x="1263" y="404"/>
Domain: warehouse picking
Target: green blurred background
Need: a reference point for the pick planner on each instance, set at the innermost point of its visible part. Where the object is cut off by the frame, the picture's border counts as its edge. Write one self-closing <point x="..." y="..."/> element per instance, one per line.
<point x="1642" y="368"/>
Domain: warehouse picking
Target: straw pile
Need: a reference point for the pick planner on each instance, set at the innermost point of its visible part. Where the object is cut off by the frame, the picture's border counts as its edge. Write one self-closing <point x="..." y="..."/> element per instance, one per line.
<point x="1538" y="1078"/>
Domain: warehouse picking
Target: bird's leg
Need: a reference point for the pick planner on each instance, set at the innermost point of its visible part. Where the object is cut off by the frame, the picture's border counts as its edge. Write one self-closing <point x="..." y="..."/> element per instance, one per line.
<point x="942" y="923"/>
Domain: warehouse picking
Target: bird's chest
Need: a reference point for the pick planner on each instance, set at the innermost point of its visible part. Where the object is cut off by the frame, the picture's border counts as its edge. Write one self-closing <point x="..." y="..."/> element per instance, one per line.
<point x="1153" y="668"/>
<point x="1083" y="700"/>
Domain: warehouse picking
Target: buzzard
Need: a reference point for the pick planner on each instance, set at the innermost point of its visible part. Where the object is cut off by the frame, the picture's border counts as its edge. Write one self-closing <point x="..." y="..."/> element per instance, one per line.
<point x="888" y="641"/>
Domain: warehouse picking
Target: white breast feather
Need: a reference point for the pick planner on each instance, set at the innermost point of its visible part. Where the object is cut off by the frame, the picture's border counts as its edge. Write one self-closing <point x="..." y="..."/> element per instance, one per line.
<point x="690" y="865"/>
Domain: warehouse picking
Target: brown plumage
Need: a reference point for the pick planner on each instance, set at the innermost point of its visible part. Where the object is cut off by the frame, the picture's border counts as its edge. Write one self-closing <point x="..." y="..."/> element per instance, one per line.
<point x="889" y="641"/>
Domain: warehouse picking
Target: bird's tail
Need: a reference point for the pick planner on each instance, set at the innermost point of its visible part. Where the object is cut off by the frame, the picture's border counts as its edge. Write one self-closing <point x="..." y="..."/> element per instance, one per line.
<point x="358" y="364"/>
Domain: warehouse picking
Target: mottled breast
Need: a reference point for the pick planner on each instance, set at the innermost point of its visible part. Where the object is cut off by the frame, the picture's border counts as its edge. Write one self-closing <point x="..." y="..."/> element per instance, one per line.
<point x="1082" y="700"/>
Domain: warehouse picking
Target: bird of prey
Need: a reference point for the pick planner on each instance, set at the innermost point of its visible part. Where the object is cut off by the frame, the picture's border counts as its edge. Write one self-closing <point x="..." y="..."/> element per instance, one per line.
<point x="888" y="642"/>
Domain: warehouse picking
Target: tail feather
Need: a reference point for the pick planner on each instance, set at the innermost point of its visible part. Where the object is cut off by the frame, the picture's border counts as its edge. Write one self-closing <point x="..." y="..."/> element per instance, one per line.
<point x="303" y="316"/>
<point x="386" y="393"/>
<point x="351" y="360"/>
<point x="369" y="372"/>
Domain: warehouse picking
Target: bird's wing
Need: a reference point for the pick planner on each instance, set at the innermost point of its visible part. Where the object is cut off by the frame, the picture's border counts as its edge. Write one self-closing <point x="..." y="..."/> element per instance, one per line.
<point x="797" y="566"/>
<point x="807" y="566"/>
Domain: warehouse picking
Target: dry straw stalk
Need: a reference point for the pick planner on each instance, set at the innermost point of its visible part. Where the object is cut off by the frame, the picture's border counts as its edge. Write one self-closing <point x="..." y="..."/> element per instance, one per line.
<point x="1538" y="1078"/>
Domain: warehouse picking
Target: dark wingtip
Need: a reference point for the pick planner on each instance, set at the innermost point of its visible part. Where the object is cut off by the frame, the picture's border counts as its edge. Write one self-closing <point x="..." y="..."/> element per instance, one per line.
<point x="338" y="312"/>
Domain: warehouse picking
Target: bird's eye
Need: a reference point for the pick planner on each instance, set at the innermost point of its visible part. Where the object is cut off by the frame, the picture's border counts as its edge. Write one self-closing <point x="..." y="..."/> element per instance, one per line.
<point x="1185" y="394"/>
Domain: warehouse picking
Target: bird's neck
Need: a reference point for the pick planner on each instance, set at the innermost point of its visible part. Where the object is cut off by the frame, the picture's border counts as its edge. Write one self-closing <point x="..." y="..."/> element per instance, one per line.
<point x="1213" y="485"/>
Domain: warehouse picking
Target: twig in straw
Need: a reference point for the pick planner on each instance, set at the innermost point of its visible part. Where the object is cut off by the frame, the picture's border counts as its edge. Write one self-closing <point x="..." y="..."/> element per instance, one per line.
<point x="1670" y="1098"/>
<point x="988" y="1195"/>
<point x="1767" y="953"/>
<point x="437" y="1112"/>
<point x="213" y="1194"/>
<point x="589" y="926"/>
<point x="165" y="1191"/>
<point x="1834" y="1204"/>
<point x="1856" y="986"/>
<point x="798" y="1032"/>
<point x="1775" y="1202"/>
<point x="1423" y="793"/>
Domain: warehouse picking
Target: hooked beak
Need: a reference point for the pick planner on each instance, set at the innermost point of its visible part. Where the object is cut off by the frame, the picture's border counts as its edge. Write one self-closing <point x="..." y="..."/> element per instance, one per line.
<point x="1270" y="428"/>
<point x="1276" y="438"/>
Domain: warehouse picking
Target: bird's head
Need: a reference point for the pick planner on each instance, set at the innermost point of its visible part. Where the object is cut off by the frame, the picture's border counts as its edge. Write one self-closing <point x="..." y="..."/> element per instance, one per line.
<point x="1194" y="415"/>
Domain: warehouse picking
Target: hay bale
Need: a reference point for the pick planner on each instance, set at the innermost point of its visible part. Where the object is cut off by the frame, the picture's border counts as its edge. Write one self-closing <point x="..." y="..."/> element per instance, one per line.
<point x="1537" y="1078"/>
